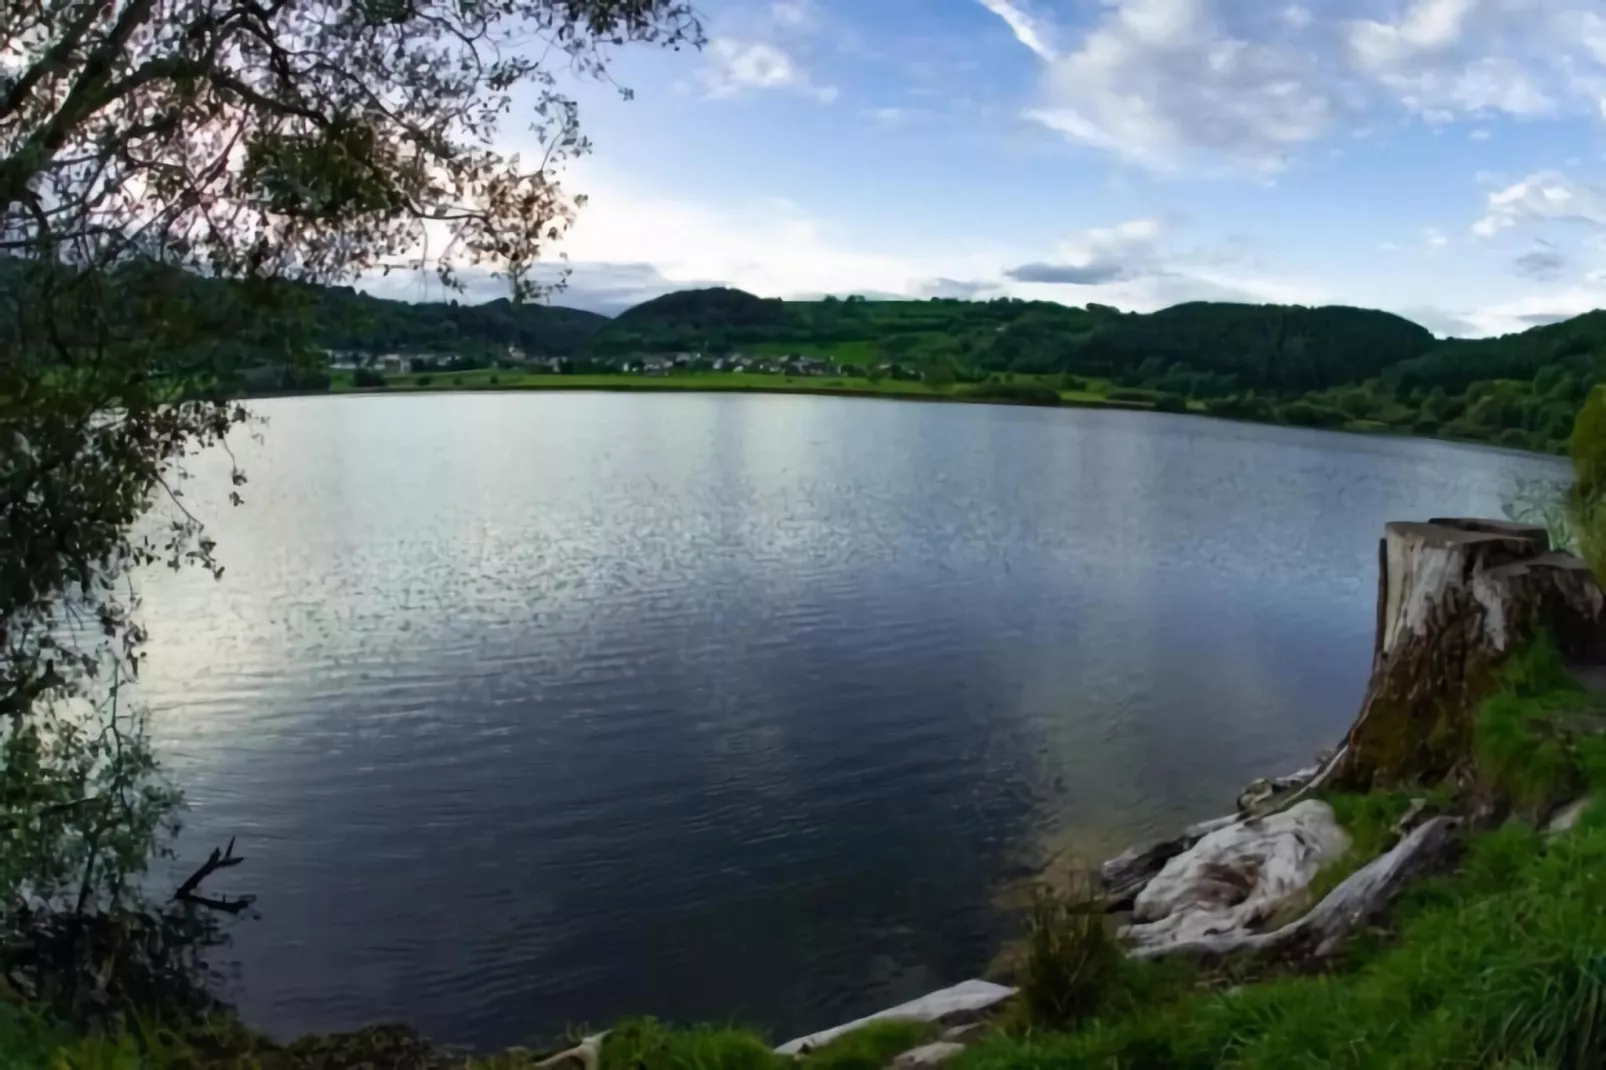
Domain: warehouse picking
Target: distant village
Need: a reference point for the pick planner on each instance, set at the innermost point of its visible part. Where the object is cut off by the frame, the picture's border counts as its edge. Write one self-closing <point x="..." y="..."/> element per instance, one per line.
<point x="794" y="365"/>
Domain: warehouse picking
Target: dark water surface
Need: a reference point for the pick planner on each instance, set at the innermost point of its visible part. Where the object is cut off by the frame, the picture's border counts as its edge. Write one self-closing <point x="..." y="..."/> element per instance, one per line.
<point x="531" y="710"/>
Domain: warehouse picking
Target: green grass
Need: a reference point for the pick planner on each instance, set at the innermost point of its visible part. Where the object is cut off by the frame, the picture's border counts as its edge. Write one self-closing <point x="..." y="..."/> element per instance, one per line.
<point x="738" y="382"/>
<point x="871" y="1046"/>
<point x="1501" y="964"/>
<point x="647" y="1044"/>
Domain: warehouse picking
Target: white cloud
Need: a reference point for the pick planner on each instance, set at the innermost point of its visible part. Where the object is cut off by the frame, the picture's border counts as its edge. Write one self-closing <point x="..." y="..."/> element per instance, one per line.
<point x="794" y="14"/>
<point x="1028" y="29"/>
<point x="1479" y="134"/>
<point x="1428" y="25"/>
<point x="776" y="249"/>
<point x="1161" y="82"/>
<point x="1434" y="237"/>
<point x="1525" y="312"/>
<point x="734" y="66"/>
<point x="1546" y="196"/>
<point x="1158" y="80"/>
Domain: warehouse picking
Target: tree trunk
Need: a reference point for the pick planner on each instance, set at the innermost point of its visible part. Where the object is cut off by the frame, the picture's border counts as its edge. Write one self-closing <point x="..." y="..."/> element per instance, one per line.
<point x="1455" y="597"/>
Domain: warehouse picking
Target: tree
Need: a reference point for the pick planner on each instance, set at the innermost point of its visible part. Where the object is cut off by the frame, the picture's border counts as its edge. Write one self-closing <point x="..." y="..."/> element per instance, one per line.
<point x="172" y="174"/>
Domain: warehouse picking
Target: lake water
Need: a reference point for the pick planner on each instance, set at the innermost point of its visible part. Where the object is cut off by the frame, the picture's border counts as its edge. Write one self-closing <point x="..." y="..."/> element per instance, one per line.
<point x="537" y="710"/>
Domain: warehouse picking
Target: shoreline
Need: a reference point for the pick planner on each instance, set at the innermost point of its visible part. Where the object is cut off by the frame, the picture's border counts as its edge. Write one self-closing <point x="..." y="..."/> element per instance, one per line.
<point x="1071" y="402"/>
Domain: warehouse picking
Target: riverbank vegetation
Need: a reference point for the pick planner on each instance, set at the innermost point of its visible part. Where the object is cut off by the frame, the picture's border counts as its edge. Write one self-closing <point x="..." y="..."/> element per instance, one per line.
<point x="179" y="182"/>
<point x="1338" y="368"/>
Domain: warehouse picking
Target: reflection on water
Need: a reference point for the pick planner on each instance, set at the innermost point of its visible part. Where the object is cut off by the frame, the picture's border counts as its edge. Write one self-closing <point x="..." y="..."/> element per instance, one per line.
<point x="538" y="710"/>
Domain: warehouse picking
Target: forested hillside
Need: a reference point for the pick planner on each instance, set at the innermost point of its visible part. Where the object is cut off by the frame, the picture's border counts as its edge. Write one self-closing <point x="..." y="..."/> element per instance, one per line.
<point x="1326" y="367"/>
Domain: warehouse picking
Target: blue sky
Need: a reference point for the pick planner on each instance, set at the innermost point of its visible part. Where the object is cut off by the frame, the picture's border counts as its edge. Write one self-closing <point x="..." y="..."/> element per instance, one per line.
<point x="1438" y="158"/>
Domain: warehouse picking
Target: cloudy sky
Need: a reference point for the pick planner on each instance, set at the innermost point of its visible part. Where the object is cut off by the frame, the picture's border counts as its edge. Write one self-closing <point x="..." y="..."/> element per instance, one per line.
<point x="1444" y="159"/>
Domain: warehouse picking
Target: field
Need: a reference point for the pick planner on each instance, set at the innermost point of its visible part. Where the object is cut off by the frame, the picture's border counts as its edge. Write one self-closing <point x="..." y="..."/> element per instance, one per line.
<point x="505" y="379"/>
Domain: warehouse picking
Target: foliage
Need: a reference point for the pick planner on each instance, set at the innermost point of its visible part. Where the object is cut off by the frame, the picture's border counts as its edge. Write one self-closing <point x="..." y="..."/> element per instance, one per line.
<point x="1021" y="393"/>
<point x="181" y="181"/>
<point x="1536" y="739"/>
<point x="1586" y="500"/>
<point x="1071" y="957"/>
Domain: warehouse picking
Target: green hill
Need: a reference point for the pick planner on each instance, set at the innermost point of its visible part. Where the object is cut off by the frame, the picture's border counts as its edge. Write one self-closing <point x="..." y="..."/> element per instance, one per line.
<point x="1328" y="367"/>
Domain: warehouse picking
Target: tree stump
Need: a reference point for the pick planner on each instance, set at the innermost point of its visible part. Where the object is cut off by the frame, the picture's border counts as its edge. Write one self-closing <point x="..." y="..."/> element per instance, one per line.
<point x="1455" y="598"/>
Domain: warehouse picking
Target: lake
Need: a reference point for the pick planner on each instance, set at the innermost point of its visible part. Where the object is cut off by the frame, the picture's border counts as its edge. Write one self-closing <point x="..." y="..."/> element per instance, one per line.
<point x="532" y="710"/>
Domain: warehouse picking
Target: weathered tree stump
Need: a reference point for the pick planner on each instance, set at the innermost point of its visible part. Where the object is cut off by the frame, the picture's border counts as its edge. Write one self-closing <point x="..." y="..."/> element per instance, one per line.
<point x="1455" y="598"/>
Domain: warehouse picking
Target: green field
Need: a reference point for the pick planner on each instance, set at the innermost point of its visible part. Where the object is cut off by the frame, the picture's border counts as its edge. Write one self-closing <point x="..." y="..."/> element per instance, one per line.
<point x="706" y="382"/>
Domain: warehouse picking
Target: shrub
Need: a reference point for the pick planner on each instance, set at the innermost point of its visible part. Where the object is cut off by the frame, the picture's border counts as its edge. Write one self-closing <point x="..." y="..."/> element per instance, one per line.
<point x="1171" y="403"/>
<point x="1132" y="394"/>
<point x="1023" y="393"/>
<point x="423" y="380"/>
<point x="1071" y="957"/>
<point x="367" y="377"/>
<point x="1308" y="414"/>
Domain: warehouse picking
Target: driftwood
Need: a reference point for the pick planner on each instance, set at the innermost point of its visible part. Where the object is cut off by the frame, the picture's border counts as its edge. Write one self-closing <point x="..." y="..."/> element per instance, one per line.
<point x="1455" y="596"/>
<point x="1129" y="872"/>
<point x="1234" y="878"/>
<point x="588" y="1053"/>
<point x="1359" y="898"/>
<point x="224" y="859"/>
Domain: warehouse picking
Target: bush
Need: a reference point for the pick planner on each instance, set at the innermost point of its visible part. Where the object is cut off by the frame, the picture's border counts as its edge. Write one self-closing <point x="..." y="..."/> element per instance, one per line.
<point x="1244" y="407"/>
<point x="365" y="378"/>
<point x="1170" y="403"/>
<point x="423" y="380"/>
<point x="1308" y="414"/>
<point x="1021" y="393"/>
<point x="1132" y="394"/>
<point x="1072" y="958"/>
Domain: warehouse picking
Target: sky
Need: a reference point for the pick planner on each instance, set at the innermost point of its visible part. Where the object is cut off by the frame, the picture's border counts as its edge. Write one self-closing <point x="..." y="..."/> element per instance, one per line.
<point x="1442" y="159"/>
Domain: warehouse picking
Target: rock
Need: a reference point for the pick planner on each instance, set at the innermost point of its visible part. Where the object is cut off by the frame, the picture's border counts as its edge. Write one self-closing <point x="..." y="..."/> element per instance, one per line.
<point x="927" y="1055"/>
<point x="1236" y="876"/>
<point x="944" y="1005"/>
<point x="1567" y="816"/>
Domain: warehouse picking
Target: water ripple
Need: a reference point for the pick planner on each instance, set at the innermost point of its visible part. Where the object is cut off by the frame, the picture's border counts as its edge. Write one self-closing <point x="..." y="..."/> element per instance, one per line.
<point x="531" y="711"/>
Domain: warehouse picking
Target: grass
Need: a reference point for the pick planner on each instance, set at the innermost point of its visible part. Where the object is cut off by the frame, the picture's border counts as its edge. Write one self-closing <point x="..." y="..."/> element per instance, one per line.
<point x="647" y="1044"/>
<point x="717" y="382"/>
<point x="1501" y="964"/>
